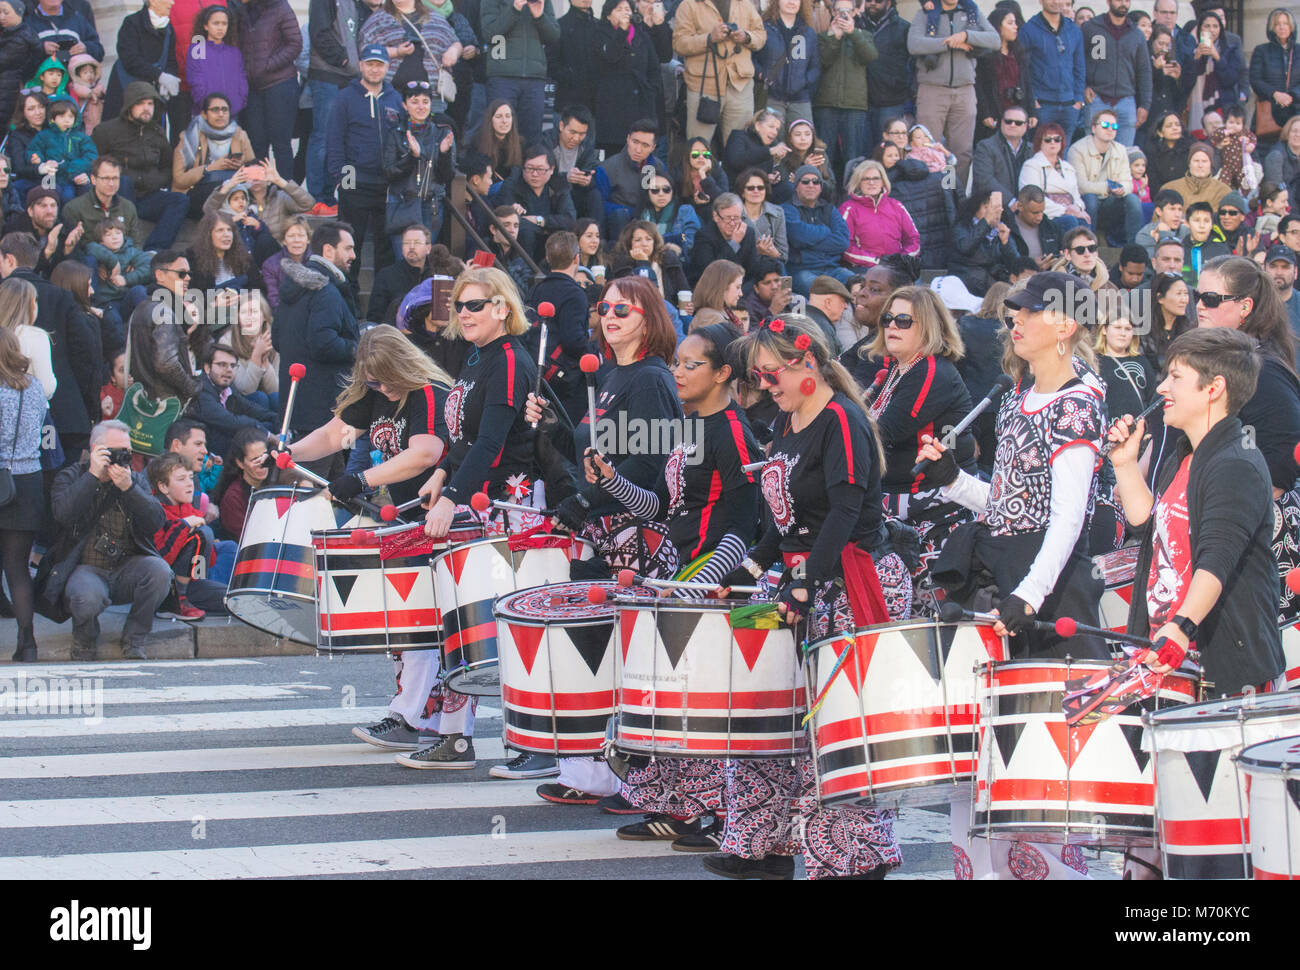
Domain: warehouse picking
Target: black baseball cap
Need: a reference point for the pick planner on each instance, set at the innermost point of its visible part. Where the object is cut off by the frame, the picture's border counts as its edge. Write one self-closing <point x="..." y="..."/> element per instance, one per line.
<point x="1280" y="251"/>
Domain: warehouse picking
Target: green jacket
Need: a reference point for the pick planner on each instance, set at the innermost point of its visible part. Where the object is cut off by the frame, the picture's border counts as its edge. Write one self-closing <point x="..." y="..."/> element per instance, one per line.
<point x="523" y="53"/>
<point x="86" y="209"/>
<point x="50" y="63"/>
<point x="844" y="70"/>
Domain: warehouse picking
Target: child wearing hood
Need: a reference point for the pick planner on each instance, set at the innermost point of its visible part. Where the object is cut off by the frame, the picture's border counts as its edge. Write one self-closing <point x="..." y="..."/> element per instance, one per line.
<point x="51" y="79"/>
<point x="87" y="90"/>
<point x="237" y="202"/>
<point x="923" y="147"/>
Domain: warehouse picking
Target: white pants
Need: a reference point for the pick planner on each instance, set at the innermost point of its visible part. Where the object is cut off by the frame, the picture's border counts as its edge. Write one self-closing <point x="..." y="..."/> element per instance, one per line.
<point x="591" y="775"/>
<point x="424" y="702"/>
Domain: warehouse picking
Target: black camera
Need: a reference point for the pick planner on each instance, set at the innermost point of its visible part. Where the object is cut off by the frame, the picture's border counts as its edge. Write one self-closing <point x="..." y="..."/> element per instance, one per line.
<point x="734" y="28"/>
<point x="119" y="456"/>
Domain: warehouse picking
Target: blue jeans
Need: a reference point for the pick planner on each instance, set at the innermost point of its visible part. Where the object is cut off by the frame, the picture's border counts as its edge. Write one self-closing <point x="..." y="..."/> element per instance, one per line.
<point x="269" y="120"/>
<point x="223" y="560"/>
<point x="1065" y="115"/>
<point x="166" y="210"/>
<point x="323" y="94"/>
<point x="527" y="97"/>
<point x="1126" y="109"/>
<point x="359" y="458"/>
<point x="802" y="279"/>
<point x="1106" y="212"/>
<point x="877" y="119"/>
<point x="844" y="130"/>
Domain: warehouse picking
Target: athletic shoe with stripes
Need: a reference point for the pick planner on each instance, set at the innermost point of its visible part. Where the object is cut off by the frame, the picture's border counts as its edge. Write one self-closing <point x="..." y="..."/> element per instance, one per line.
<point x="392" y="732"/>
<point x="707" y="839"/>
<point x="618" y="805"/>
<point x="658" y="827"/>
<point x="564" y="795"/>
<point x="527" y="766"/>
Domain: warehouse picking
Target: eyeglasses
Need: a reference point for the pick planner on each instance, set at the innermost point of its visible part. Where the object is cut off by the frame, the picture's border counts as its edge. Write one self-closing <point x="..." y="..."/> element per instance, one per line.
<point x="903" y="321"/>
<point x="756" y="187"/>
<point x="699" y="154"/>
<point x="1212" y="300"/>
<point x="218" y="109"/>
<point x="769" y="378"/>
<point x="1015" y="122"/>
<point x="1080" y="250"/>
<point x="1111" y="125"/>
<point x="1230" y="212"/>
<point x="473" y="306"/>
<point x="810" y="181"/>
<point x="182" y="273"/>
<point x="660" y="189"/>
<point x="537" y="169"/>
<point x="620" y="310"/>
<point x="1051" y="138"/>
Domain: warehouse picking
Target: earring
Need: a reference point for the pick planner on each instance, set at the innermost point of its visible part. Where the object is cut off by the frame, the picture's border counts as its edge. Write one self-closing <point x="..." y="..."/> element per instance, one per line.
<point x="1060" y="348"/>
<point x="808" y="386"/>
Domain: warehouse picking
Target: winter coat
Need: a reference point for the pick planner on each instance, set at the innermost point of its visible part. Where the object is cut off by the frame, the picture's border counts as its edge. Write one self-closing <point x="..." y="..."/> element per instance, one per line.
<point x="18" y="48"/>
<point x="76" y="353"/>
<point x="1270" y="65"/>
<point x="72" y="149"/>
<point x="223" y="419"/>
<point x="219" y="71"/>
<point x="844" y="78"/>
<point x="279" y="207"/>
<point x="944" y="66"/>
<point x="876" y="229"/>
<point x="627" y="80"/>
<point x="411" y="178"/>
<point x="87" y="210"/>
<point x="142" y="148"/>
<point x="931" y="207"/>
<point x="771" y="222"/>
<point x="20" y="140"/>
<point x="554" y="204"/>
<point x="1044" y="46"/>
<point x="526" y="38"/>
<point x="332" y="27"/>
<point x="890" y="75"/>
<point x="135" y="264"/>
<point x="70" y="25"/>
<point x="996" y="166"/>
<point x="990" y="99"/>
<point x="316" y="325"/>
<point x="357" y="122"/>
<point x="140" y="49"/>
<point x="1193" y="189"/>
<point x="1230" y="78"/>
<point x="186" y="176"/>
<point x="1059" y="179"/>
<point x="745" y="149"/>
<point x="1093" y="170"/>
<point x="818" y="236"/>
<point x="790" y="75"/>
<point x="1117" y="69"/>
<point x="272" y="273"/>
<point x="693" y="21"/>
<point x="161" y="358"/>
<point x="1165" y="164"/>
<point x="677" y="223"/>
<point x="270" y="40"/>
<point x="572" y="61"/>
<point x="978" y="260"/>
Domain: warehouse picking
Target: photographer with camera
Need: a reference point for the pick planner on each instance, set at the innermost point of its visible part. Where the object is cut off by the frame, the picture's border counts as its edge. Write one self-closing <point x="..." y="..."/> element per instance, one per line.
<point x="715" y="40"/>
<point x="103" y="552"/>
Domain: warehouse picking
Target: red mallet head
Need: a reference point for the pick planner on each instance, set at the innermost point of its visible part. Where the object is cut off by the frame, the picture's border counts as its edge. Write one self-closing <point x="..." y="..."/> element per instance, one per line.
<point x="1066" y="627"/>
<point x="361" y="537"/>
<point x="284" y="460"/>
<point x="590" y="363"/>
<point x="388" y="513"/>
<point x="546" y="309"/>
<point x="297" y="371"/>
<point x="596" y="595"/>
<point x="480" y="502"/>
<point x="1293" y="581"/>
<point x="1296" y="454"/>
<point x="626" y="577"/>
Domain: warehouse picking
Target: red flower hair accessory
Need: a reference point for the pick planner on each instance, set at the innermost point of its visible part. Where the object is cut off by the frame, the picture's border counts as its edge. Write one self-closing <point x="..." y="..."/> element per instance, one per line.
<point x="803" y="341"/>
<point x="777" y="325"/>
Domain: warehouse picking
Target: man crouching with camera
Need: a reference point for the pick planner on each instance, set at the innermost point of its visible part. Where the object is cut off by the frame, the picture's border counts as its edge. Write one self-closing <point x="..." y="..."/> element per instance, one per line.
<point x="103" y="553"/>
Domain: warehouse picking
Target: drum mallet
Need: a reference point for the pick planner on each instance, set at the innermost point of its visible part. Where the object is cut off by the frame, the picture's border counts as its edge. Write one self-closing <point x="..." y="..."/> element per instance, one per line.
<point x="953" y="612"/>
<point x="546" y="311"/>
<point x="1066" y="627"/>
<point x="1150" y="409"/>
<point x="753" y="466"/>
<point x="590" y="363"/>
<point x="284" y="461"/>
<point x="1002" y="384"/>
<point x="627" y="577"/>
<point x="1293" y="581"/>
<point x="390" y="512"/>
<point x="296" y="372"/>
<point x="363" y="537"/>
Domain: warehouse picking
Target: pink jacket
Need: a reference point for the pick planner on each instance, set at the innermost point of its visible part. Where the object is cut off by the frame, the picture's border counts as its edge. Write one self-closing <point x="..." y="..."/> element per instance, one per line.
<point x="877" y="229"/>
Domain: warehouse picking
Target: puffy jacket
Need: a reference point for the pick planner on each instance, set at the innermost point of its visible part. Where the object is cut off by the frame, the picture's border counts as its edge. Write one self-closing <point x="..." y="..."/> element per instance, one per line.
<point x="72" y="149"/>
<point x="135" y="264"/>
<point x="844" y="76"/>
<point x="526" y="38"/>
<point x="890" y="76"/>
<point x="572" y="62"/>
<point x="944" y="66"/>
<point x="790" y="75"/>
<point x="140" y="49"/>
<point x="818" y="236"/>
<point x="271" y="41"/>
<point x="1117" y="69"/>
<point x="18" y="48"/>
<point x="1270" y="64"/>
<point x="876" y="229"/>
<point x="160" y="349"/>
<point x="930" y="205"/>
<point x="317" y="326"/>
<point x="272" y="272"/>
<point x="1043" y="45"/>
<point x="357" y="123"/>
<point x="142" y="147"/>
<point x="68" y="25"/>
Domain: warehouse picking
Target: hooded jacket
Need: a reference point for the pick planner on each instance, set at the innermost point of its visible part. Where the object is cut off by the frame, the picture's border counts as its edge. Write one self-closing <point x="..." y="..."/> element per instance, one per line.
<point x="890" y="75"/>
<point x="72" y="149"/>
<point x="141" y="146"/>
<point x="1048" y="51"/>
<point x="876" y="229"/>
<point x="1120" y="68"/>
<point x="945" y="66"/>
<point x="317" y="326"/>
<point x="357" y="124"/>
<point x="818" y="236"/>
<point x="526" y="38"/>
<point x="49" y="64"/>
<point x="1270" y="65"/>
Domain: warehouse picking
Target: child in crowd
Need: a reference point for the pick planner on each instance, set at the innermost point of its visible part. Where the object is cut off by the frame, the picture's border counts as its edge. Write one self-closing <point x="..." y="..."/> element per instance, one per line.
<point x="240" y="207"/>
<point x="63" y="150"/>
<point x="51" y="79"/>
<point x="220" y="69"/>
<point x="1235" y="144"/>
<point x="86" y="90"/>
<point x="1137" y="168"/>
<point x="923" y="147"/>
<point x="1204" y="241"/>
<point x="120" y="264"/>
<point x="111" y="394"/>
<point x="180" y="541"/>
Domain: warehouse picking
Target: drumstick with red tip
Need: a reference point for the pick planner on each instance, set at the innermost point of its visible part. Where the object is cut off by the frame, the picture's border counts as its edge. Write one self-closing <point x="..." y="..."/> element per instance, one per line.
<point x="546" y="311"/>
<point x="590" y="363"/>
<point x="1293" y="581"/>
<point x="1002" y="384"/>
<point x="365" y="537"/>
<point x="390" y="512"/>
<point x="296" y="373"/>
<point x="480" y="502"/>
<point x="627" y="578"/>
<point x="284" y="461"/>
<point x="1066" y="627"/>
<point x="877" y="383"/>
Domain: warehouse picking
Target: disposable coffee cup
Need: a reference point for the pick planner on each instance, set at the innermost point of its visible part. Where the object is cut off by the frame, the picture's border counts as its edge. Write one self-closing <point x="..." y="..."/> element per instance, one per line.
<point x="683" y="297"/>
<point x="598" y="271"/>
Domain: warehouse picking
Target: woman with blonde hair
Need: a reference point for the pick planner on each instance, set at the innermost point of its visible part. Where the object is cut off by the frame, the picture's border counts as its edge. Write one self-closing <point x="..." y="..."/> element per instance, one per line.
<point x="257" y="373"/>
<point x="717" y="294"/>
<point x="878" y="224"/>
<point x="18" y="313"/>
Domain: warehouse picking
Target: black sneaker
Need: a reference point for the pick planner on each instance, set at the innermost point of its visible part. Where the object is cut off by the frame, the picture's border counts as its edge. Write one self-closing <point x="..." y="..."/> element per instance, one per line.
<point x="618" y="805"/>
<point x="455" y="751"/>
<point x="564" y="795"/>
<point x="132" y="651"/>
<point x="705" y="840"/>
<point x="663" y="828"/>
<point x="526" y="766"/>
<point x="391" y="732"/>
<point x="83" y="651"/>
<point x="734" y="867"/>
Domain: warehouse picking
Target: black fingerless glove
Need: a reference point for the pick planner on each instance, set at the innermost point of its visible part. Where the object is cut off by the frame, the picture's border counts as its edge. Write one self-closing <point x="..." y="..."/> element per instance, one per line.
<point x="1016" y="615"/>
<point x="572" y="512"/>
<point x="347" y="487"/>
<point x="940" y="473"/>
<point x="785" y="595"/>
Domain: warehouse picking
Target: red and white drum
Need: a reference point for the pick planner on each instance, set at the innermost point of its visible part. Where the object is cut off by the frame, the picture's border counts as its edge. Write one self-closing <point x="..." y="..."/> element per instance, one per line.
<point x="1272" y="772"/>
<point x="372" y="601"/>
<point x="691" y="686"/>
<point x="273" y="584"/>
<point x="467" y="581"/>
<point x="1117" y="571"/>
<point x="897" y="725"/>
<point x="1201" y="800"/>
<point x="558" y="671"/>
<point x="1043" y="781"/>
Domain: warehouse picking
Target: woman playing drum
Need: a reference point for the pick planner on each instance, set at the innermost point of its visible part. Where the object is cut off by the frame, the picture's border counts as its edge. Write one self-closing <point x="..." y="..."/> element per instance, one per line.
<point x="710" y="505"/>
<point x="822" y="484"/>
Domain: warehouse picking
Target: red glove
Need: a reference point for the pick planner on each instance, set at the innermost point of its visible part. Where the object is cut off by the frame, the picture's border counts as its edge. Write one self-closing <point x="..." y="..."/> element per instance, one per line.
<point x="1169" y="653"/>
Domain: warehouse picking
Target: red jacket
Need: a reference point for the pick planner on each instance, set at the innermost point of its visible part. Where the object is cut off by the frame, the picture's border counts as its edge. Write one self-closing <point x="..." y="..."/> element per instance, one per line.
<point x="877" y="229"/>
<point x="176" y="533"/>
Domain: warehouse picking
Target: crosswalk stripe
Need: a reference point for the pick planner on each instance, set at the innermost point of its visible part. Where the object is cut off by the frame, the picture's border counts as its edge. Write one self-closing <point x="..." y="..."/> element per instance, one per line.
<point x="291" y="803"/>
<point x="120" y="668"/>
<point x="200" y="693"/>
<point x="212" y="759"/>
<point x="336" y="858"/>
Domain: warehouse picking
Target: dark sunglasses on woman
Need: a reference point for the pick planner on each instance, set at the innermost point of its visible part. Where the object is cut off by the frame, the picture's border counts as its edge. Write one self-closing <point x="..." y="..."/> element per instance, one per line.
<point x="621" y="310"/>
<point x="473" y="306"/>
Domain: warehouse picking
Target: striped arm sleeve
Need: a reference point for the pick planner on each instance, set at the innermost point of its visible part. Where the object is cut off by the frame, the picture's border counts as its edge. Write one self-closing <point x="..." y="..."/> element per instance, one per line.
<point x="641" y="502"/>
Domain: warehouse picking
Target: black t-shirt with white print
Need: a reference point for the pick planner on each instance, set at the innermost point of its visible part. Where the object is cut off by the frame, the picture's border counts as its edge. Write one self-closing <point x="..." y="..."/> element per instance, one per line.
<point x="391" y="429"/>
<point x="695" y="486"/>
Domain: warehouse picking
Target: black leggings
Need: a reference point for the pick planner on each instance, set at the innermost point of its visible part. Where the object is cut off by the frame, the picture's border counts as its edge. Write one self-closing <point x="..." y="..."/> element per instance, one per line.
<point x="15" y="553"/>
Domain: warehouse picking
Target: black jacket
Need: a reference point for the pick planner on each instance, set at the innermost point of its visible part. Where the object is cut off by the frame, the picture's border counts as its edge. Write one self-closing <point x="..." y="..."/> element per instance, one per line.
<point x="316" y="326"/>
<point x="627" y="78"/>
<point x="554" y="205"/>
<point x="746" y="150"/>
<point x="994" y="166"/>
<point x="709" y="245"/>
<point x="567" y="338"/>
<point x="891" y="78"/>
<point x="1270" y="65"/>
<point x="75" y="352"/>
<point x="18" y="48"/>
<point x="143" y="148"/>
<point x="1165" y="164"/>
<point x="977" y="259"/>
<point x="931" y="207"/>
<point x="1230" y="516"/>
<point x="991" y="102"/>
<point x="571" y="61"/>
<point x="140" y="48"/>
<point x="391" y="284"/>
<point x="1274" y="414"/>
<point x="1049" y="237"/>
<point x="160" y="349"/>
<point x="223" y="420"/>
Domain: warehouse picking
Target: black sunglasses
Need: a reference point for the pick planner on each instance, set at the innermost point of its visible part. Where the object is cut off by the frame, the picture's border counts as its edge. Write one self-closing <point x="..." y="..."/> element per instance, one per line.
<point x="660" y="189"/>
<point x="1014" y="121"/>
<point x="1212" y="300"/>
<point x="1080" y="250"/>
<point x="1230" y="212"/>
<point x="473" y="306"/>
<point x="903" y="321"/>
<point x="810" y="181"/>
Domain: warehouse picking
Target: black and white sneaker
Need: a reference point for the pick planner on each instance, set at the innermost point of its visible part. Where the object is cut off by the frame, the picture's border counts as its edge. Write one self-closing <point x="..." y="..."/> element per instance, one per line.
<point x="705" y="840"/>
<point x="663" y="828"/>
<point x="453" y="751"/>
<point x="616" y="804"/>
<point x="392" y="732"/>
<point x="527" y="766"/>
